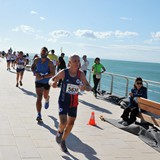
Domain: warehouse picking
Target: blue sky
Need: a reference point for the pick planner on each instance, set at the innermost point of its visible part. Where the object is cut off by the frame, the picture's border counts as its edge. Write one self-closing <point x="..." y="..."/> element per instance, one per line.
<point x="109" y="29"/>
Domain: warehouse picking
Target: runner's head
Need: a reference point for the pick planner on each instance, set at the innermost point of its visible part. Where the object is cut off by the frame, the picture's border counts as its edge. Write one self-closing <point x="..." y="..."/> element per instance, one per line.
<point x="44" y="52"/>
<point x="74" y="61"/>
<point x="52" y="51"/>
<point x="20" y="54"/>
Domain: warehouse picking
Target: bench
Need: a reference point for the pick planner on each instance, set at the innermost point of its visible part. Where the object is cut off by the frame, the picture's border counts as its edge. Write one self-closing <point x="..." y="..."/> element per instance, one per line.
<point x="150" y="111"/>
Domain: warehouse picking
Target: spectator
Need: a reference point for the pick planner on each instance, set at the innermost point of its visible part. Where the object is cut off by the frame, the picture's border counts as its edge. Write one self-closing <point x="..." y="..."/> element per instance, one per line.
<point x="61" y="65"/>
<point x="130" y="113"/>
<point x="53" y="58"/>
<point x="85" y="64"/>
<point x="97" y="70"/>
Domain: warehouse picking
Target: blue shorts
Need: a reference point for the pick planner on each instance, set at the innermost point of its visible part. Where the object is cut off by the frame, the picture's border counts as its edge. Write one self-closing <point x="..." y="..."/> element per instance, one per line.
<point x="66" y="110"/>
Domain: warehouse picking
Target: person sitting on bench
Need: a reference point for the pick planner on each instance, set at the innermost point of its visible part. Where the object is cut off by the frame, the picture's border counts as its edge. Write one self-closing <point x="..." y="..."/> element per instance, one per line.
<point x="130" y="113"/>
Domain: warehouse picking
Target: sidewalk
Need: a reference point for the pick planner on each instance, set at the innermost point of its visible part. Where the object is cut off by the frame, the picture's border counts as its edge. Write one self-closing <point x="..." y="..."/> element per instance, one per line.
<point x="21" y="138"/>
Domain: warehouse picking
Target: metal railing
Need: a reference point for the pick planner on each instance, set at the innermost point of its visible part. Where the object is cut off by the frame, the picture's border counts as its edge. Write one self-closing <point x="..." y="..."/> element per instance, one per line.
<point x="121" y="85"/>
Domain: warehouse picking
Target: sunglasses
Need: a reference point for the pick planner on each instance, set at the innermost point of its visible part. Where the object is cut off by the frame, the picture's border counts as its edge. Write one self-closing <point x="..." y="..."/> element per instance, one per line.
<point x="139" y="83"/>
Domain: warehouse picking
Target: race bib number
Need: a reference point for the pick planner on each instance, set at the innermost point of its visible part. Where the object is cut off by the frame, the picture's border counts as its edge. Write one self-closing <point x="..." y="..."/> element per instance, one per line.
<point x="72" y="89"/>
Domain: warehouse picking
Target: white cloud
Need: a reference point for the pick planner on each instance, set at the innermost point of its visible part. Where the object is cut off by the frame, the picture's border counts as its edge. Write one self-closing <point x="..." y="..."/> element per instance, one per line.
<point x="102" y="35"/>
<point x="42" y="18"/>
<point x="156" y="35"/>
<point x="59" y="34"/>
<point x="33" y="12"/>
<point x="92" y="35"/>
<point x="24" y="29"/>
<point x="85" y="33"/>
<point x="121" y="34"/>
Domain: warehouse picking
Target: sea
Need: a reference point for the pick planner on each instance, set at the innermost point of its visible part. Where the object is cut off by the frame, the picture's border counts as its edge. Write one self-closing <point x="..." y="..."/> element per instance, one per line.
<point x="147" y="71"/>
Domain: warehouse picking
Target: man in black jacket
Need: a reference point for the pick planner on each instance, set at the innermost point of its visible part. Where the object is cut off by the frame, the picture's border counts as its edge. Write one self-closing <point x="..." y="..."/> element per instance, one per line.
<point x="62" y="65"/>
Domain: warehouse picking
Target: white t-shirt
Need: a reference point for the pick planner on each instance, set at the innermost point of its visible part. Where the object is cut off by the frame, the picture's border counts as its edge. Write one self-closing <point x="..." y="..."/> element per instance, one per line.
<point x="84" y="65"/>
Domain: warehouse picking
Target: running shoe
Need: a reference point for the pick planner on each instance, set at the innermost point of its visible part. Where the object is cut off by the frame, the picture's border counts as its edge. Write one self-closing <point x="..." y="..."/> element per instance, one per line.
<point x="59" y="137"/>
<point x="46" y="105"/>
<point x="20" y="83"/>
<point x="63" y="146"/>
<point x="39" y="118"/>
<point x="17" y="85"/>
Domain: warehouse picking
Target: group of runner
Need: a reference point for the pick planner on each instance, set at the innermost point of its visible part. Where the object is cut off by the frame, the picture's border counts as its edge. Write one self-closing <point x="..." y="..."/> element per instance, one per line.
<point x="18" y="61"/>
<point x="71" y="78"/>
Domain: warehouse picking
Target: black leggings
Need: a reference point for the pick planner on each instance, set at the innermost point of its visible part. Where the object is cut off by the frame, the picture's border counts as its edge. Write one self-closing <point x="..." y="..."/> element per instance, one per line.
<point x="96" y="82"/>
<point x="129" y="114"/>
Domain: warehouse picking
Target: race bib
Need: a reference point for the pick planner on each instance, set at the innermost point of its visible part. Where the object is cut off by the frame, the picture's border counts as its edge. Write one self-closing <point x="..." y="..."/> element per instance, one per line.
<point x="54" y="62"/>
<point x="98" y="75"/>
<point x="72" y="89"/>
<point x="20" y="66"/>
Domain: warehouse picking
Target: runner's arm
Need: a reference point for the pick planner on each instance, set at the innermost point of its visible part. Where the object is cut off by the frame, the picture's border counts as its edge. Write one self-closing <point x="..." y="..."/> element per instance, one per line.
<point x="54" y="80"/>
<point x="33" y="67"/>
<point x="104" y="69"/>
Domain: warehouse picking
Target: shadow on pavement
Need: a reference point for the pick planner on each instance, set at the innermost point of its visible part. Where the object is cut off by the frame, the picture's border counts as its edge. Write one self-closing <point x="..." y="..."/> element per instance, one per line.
<point x="98" y="108"/>
<point x="27" y="92"/>
<point x="12" y="71"/>
<point x="73" y="143"/>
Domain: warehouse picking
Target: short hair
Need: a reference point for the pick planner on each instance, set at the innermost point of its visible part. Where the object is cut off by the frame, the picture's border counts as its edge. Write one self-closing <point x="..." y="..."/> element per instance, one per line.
<point x="45" y="48"/>
<point x="96" y="59"/>
<point x="20" y="52"/>
<point x="52" y="51"/>
<point x="62" y="54"/>
<point x="138" y="79"/>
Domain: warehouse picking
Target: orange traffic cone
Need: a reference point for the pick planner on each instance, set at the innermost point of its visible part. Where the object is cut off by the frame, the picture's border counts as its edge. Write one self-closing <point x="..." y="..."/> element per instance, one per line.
<point x="92" y="120"/>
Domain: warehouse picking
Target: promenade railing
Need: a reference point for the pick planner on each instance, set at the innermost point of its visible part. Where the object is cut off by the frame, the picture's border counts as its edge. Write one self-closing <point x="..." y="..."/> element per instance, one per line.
<point x="120" y="85"/>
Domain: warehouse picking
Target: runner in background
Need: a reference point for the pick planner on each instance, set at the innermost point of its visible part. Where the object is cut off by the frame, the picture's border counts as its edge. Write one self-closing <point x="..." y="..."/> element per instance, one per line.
<point x="13" y="59"/>
<point x="20" y="67"/>
<point x="43" y="70"/>
<point x="61" y="65"/>
<point x="53" y="58"/>
<point x="8" y="59"/>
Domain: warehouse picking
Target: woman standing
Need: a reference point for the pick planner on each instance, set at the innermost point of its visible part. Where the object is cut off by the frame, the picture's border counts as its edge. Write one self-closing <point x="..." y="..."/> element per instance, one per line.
<point x="97" y="70"/>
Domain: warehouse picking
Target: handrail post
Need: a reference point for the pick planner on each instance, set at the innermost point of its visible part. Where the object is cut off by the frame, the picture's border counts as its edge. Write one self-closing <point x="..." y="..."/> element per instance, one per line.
<point x="111" y="88"/>
<point x="127" y="83"/>
<point x="89" y="76"/>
